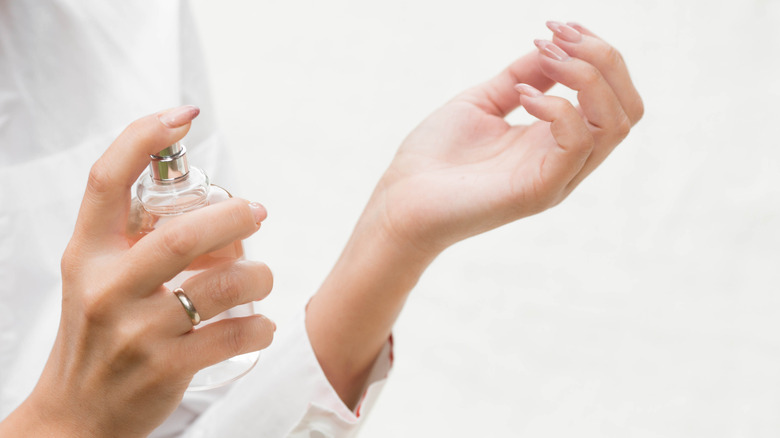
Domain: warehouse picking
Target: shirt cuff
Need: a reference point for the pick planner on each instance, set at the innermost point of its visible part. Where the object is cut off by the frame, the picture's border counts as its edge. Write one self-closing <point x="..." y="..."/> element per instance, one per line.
<point x="327" y="413"/>
<point x="288" y="394"/>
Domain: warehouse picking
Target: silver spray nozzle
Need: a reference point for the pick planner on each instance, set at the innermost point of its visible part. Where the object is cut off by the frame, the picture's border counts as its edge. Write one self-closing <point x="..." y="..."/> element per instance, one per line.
<point x="170" y="163"/>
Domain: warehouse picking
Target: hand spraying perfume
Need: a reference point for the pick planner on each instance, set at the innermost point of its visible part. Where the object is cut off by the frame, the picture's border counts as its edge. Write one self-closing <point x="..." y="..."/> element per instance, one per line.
<point x="171" y="188"/>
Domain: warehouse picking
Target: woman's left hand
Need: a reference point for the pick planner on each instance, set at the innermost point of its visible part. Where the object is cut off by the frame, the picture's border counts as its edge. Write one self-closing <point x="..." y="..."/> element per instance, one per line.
<point x="462" y="172"/>
<point x="465" y="170"/>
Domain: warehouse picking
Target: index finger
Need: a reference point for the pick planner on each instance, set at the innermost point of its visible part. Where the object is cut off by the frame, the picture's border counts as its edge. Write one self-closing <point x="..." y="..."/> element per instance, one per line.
<point x="497" y="96"/>
<point x="169" y="249"/>
<point x="105" y="206"/>
<point x="585" y="45"/>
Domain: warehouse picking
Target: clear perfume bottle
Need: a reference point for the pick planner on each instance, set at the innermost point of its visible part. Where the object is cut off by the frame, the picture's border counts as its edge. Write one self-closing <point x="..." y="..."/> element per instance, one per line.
<point x="168" y="189"/>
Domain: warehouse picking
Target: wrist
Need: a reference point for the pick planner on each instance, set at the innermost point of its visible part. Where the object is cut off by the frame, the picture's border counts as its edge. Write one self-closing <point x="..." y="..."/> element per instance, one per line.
<point x="396" y="234"/>
<point x="47" y="413"/>
<point x="391" y="245"/>
<point x="33" y="419"/>
<point x="350" y="318"/>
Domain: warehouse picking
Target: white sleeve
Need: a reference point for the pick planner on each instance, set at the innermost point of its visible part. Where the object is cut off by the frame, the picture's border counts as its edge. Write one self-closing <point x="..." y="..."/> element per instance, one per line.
<point x="285" y="395"/>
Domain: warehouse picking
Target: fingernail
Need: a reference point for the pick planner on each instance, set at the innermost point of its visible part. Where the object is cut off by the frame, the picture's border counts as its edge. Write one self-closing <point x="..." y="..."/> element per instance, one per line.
<point x="580" y="28"/>
<point x="180" y="116"/>
<point x="564" y="32"/>
<point x="547" y="48"/>
<point x="273" y="323"/>
<point x="259" y="212"/>
<point x="527" y="90"/>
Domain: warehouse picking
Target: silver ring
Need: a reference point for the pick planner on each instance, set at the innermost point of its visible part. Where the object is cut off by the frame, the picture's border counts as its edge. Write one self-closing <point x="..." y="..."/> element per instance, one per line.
<point x="188" y="306"/>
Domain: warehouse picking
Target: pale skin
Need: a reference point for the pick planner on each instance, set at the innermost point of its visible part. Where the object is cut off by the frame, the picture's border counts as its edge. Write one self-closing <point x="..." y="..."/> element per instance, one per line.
<point x="125" y="350"/>
<point x="465" y="171"/>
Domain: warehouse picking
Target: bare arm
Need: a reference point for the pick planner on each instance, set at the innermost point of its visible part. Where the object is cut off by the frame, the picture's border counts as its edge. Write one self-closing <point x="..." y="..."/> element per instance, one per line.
<point x="465" y="171"/>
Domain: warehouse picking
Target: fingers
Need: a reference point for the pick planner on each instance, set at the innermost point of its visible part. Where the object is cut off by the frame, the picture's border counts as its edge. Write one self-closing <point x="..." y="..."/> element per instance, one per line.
<point x="597" y="100"/>
<point x="224" y="339"/>
<point x="608" y="99"/>
<point x="573" y="140"/>
<point x="169" y="249"/>
<point x="583" y="44"/>
<point x="497" y="96"/>
<point x="216" y="290"/>
<point x="104" y="208"/>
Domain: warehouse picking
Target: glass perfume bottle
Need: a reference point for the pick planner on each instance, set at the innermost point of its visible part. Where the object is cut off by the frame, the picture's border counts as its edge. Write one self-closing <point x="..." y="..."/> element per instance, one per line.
<point x="168" y="189"/>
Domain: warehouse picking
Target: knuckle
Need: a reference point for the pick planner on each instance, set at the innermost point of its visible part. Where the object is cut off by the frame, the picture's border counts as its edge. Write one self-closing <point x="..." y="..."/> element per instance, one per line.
<point x="262" y="277"/>
<point x="590" y="76"/>
<point x="75" y="257"/>
<point x="131" y="336"/>
<point x="135" y="128"/>
<point x="131" y="343"/>
<point x="612" y="57"/>
<point x="606" y="55"/>
<point x="139" y="131"/>
<point x="68" y="263"/>
<point x="236" y="338"/>
<point x="562" y="106"/>
<point x="181" y="240"/>
<point x="623" y="127"/>
<point x="639" y="109"/>
<point x="226" y="292"/>
<point x="95" y="306"/>
<point x="99" y="180"/>
<point x="265" y="334"/>
<point x="240" y="215"/>
<point x="586" y="144"/>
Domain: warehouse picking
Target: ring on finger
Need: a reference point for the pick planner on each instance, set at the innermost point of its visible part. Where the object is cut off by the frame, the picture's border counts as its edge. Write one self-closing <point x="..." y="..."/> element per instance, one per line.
<point x="188" y="306"/>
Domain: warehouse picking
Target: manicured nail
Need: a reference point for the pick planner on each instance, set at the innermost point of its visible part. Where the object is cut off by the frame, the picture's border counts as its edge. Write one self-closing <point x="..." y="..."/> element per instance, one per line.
<point x="180" y="116"/>
<point x="259" y="212"/>
<point x="527" y="90"/>
<point x="550" y="50"/>
<point x="580" y="28"/>
<point x="564" y="32"/>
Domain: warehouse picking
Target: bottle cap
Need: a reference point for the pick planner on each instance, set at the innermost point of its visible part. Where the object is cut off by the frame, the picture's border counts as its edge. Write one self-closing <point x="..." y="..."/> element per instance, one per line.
<point x="170" y="163"/>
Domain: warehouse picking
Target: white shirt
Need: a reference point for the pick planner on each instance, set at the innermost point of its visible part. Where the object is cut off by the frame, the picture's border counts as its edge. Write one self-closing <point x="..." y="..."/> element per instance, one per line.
<point x="73" y="74"/>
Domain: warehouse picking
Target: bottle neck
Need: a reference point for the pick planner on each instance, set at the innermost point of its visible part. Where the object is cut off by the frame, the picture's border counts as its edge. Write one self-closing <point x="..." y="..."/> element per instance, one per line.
<point x="170" y="164"/>
<point x="174" y="196"/>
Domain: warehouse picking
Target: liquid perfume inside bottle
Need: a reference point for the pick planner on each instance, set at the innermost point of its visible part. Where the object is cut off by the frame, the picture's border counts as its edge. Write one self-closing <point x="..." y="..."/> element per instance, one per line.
<point x="167" y="190"/>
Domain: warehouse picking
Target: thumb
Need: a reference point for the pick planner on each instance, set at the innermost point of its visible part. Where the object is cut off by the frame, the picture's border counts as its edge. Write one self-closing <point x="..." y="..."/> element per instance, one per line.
<point x="497" y="96"/>
<point x="103" y="209"/>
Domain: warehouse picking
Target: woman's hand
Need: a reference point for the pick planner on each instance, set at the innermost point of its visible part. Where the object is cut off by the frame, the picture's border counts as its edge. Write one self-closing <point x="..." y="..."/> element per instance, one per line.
<point x="465" y="170"/>
<point x="462" y="172"/>
<point x="126" y="349"/>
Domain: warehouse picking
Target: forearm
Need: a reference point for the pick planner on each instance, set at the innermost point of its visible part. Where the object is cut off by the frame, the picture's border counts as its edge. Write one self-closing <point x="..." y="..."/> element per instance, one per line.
<point x="350" y="318"/>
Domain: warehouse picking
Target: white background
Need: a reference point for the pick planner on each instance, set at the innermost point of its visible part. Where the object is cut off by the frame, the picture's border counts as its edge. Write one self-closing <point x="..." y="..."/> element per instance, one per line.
<point x="646" y="305"/>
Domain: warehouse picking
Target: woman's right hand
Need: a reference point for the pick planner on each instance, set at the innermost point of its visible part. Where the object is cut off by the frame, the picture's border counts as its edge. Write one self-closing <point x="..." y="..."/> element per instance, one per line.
<point x="126" y="349"/>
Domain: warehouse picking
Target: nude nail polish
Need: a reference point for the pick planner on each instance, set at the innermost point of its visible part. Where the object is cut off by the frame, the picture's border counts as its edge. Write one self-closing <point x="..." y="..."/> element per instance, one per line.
<point x="178" y="117"/>
<point x="550" y="50"/>
<point x="580" y="28"/>
<point x="527" y="90"/>
<point x="258" y="211"/>
<point x="565" y="32"/>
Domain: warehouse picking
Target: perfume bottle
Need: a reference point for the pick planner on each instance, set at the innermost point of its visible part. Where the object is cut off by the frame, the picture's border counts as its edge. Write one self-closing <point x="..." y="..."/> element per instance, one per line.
<point x="168" y="189"/>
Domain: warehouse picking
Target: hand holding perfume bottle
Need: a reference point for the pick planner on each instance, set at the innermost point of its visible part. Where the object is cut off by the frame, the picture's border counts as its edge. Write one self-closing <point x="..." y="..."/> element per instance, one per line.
<point x="127" y="349"/>
<point x="172" y="188"/>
